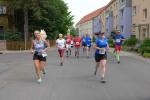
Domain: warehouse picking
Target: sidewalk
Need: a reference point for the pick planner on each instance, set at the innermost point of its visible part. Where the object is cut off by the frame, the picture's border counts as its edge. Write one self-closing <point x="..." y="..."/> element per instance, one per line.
<point x="134" y="55"/>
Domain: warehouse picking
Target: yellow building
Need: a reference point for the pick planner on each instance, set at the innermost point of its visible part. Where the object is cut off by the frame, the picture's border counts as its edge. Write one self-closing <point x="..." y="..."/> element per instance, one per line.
<point x="85" y="25"/>
<point x="102" y="17"/>
<point x="110" y="17"/>
<point x="141" y="18"/>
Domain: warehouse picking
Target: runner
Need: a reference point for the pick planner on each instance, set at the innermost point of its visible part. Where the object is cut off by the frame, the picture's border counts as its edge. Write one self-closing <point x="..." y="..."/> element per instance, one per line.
<point x="68" y="44"/>
<point x="44" y="36"/>
<point x="38" y="50"/>
<point x="101" y="45"/>
<point x="77" y="43"/>
<point x="88" y="44"/>
<point x="119" y="38"/>
<point x="83" y="40"/>
<point x="61" y="47"/>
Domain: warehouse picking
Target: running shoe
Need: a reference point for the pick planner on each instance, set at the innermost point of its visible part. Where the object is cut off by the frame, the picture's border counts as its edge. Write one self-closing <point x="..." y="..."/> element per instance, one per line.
<point x="43" y="71"/>
<point x="103" y="80"/>
<point x="39" y="81"/>
<point x="61" y="64"/>
<point x="95" y="73"/>
<point x="118" y="62"/>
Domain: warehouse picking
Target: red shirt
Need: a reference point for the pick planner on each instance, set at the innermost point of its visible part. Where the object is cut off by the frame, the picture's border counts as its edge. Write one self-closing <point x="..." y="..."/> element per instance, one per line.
<point x="77" y="42"/>
<point x="68" y="39"/>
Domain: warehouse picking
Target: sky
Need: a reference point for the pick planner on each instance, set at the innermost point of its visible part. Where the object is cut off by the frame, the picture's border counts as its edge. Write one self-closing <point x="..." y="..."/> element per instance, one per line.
<point x="80" y="8"/>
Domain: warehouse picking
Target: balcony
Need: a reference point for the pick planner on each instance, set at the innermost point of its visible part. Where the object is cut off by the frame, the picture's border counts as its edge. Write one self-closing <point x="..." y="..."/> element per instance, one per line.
<point x="122" y="4"/>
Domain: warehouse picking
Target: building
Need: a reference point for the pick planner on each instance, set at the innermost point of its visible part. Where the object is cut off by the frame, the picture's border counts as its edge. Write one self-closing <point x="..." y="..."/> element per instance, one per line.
<point x="3" y="16"/>
<point x="141" y="19"/>
<point x="111" y="16"/>
<point x="88" y="24"/>
<point x="125" y="17"/>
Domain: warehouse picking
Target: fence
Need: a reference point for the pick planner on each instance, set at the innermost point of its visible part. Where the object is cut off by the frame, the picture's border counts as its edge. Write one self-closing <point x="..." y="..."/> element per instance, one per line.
<point x="20" y="45"/>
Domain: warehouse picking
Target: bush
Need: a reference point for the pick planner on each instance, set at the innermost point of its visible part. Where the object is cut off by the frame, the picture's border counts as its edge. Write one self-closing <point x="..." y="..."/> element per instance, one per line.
<point x="132" y="41"/>
<point x="147" y="55"/>
<point x="145" y="47"/>
<point x="10" y="35"/>
<point x="111" y="44"/>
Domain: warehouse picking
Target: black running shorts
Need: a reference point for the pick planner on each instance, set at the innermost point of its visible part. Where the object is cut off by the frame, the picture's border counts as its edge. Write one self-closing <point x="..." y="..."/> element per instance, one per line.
<point x="39" y="57"/>
<point x="99" y="57"/>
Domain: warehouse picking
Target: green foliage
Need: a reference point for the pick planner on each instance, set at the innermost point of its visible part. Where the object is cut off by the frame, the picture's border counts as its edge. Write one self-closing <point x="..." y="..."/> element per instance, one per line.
<point x="73" y="31"/>
<point x="10" y="35"/>
<point x="147" y="55"/>
<point x="132" y="41"/>
<point x="145" y="46"/>
<point x="51" y="15"/>
<point x="110" y="42"/>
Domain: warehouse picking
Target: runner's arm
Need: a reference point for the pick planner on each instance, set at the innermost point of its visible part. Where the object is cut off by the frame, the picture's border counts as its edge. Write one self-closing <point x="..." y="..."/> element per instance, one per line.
<point x="32" y="47"/>
<point x="47" y="45"/>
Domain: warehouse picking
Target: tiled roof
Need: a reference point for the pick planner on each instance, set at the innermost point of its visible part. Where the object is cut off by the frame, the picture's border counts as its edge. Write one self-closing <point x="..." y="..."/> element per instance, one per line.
<point x="91" y="15"/>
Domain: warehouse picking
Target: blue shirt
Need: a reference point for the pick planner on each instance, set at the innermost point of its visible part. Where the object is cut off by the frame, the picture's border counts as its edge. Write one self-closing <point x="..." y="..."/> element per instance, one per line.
<point x="88" y="41"/>
<point x="117" y="39"/>
<point x="101" y="43"/>
<point x="83" y="40"/>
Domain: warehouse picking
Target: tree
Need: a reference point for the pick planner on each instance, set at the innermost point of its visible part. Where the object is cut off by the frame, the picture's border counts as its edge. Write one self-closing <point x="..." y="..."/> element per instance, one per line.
<point x="51" y="15"/>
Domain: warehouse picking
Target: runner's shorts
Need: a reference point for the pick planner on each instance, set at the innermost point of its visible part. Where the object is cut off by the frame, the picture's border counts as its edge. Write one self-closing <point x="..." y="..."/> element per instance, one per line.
<point x="99" y="57"/>
<point x="117" y="48"/>
<point x="68" y="46"/>
<point x="83" y="44"/>
<point x="61" y="52"/>
<point x="39" y="57"/>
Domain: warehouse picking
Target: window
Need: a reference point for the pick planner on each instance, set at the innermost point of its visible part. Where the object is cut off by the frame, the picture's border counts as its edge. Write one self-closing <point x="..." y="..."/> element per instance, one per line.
<point x="122" y="28"/>
<point x="145" y="13"/>
<point x="122" y="12"/>
<point x="1" y="29"/>
<point x="122" y="1"/>
<point x="116" y="5"/>
<point x="1" y="10"/>
<point x="134" y="10"/>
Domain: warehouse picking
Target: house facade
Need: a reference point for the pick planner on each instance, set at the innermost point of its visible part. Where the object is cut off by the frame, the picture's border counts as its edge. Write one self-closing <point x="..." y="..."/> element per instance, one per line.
<point x="125" y="17"/>
<point x="141" y="19"/>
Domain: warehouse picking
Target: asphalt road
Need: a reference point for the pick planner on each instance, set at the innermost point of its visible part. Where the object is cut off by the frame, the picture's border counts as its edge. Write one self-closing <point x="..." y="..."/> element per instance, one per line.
<point x="129" y="80"/>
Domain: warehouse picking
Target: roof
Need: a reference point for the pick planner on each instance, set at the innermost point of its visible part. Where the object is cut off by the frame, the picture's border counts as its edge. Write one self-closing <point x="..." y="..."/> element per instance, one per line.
<point x="91" y="15"/>
<point x="112" y="1"/>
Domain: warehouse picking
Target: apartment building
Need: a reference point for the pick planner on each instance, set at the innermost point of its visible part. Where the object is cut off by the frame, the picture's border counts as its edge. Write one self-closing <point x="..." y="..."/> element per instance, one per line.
<point x="141" y="19"/>
<point x="125" y="17"/>
<point x="90" y="23"/>
<point x="110" y="17"/>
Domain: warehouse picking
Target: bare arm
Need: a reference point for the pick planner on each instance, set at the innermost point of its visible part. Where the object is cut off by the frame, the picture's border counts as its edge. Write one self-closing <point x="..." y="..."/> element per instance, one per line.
<point x="32" y="47"/>
<point x="47" y="45"/>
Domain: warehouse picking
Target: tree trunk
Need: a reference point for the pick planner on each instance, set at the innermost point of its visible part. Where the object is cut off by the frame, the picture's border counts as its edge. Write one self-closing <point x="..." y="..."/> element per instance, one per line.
<point x="25" y="26"/>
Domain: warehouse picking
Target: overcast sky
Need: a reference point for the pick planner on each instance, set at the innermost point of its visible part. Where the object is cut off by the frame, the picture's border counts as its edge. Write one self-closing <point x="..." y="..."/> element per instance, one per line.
<point x="80" y="8"/>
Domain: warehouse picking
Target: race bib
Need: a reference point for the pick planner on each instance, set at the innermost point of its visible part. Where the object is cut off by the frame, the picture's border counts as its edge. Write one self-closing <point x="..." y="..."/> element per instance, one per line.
<point x="44" y="54"/>
<point x="77" y="43"/>
<point x="68" y="40"/>
<point x="102" y="51"/>
<point x="118" y="40"/>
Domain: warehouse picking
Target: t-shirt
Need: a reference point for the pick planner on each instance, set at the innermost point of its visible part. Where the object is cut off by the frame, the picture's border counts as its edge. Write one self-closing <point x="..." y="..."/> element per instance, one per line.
<point x="60" y="43"/>
<point x="77" y="42"/>
<point x="117" y="39"/>
<point x="101" y="43"/>
<point x="83" y="40"/>
<point x="88" y="41"/>
<point x="68" y="39"/>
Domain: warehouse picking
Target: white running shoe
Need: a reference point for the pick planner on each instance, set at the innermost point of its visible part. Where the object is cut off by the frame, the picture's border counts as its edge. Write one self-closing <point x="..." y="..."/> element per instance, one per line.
<point x="39" y="81"/>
